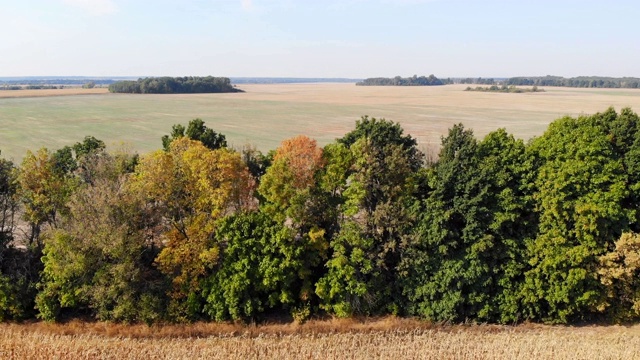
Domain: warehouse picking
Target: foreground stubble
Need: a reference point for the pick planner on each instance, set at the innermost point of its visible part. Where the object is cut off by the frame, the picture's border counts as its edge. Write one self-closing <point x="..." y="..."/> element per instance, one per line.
<point x="384" y="339"/>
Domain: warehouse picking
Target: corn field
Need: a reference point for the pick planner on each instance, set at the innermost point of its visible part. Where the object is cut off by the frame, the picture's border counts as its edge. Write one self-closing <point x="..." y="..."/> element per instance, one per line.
<point x="384" y="339"/>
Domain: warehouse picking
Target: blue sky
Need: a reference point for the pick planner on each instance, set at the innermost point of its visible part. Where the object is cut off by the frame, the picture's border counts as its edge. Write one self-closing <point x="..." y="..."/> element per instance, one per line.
<point x="320" y="38"/>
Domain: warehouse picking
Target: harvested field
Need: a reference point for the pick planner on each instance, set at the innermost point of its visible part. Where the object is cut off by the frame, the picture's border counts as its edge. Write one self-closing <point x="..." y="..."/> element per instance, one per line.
<point x="267" y="114"/>
<point x="333" y="339"/>
<point x="51" y="92"/>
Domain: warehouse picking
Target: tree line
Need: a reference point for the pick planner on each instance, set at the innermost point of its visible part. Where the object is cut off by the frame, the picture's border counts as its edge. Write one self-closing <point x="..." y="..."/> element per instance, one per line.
<point x="580" y="81"/>
<point x="37" y="81"/>
<point x="504" y="89"/>
<point x="30" y="87"/>
<point x="479" y="81"/>
<point x="415" y="80"/>
<point x="494" y="230"/>
<point x="174" y="85"/>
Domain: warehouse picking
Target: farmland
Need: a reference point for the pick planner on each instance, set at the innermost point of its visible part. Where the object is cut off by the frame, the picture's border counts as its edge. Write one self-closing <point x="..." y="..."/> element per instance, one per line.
<point x="4" y="94"/>
<point x="268" y="113"/>
<point x="263" y="116"/>
<point x="330" y="339"/>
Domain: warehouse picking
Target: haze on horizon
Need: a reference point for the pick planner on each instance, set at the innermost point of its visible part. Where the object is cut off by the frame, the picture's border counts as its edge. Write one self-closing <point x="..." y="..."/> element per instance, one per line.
<point x="329" y="38"/>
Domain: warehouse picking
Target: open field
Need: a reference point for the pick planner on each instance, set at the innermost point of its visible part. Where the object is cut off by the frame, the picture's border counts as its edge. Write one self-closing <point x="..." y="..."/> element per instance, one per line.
<point x="51" y="92"/>
<point x="267" y="114"/>
<point x="332" y="339"/>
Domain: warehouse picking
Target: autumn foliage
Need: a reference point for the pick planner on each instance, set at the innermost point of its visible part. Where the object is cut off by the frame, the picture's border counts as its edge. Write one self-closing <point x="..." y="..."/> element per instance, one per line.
<point x="495" y="230"/>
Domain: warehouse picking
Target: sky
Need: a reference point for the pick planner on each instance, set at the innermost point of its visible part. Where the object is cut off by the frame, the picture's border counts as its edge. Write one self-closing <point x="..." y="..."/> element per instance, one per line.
<point x="319" y="38"/>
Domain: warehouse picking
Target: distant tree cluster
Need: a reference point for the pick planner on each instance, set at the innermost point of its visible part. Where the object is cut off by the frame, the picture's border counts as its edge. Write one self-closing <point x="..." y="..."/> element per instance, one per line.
<point x="504" y="89"/>
<point x="89" y="85"/>
<point x="280" y="80"/>
<point x="41" y="87"/>
<point x="494" y="230"/>
<point x="580" y="82"/>
<point x="174" y="85"/>
<point x="400" y="81"/>
<point x="52" y="81"/>
<point x="478" y="81"/>
<point x="29" y="87"/>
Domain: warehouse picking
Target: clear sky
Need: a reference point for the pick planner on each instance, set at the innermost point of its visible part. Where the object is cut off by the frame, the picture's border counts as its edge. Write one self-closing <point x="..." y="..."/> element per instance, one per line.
<point x="319" y="38"/>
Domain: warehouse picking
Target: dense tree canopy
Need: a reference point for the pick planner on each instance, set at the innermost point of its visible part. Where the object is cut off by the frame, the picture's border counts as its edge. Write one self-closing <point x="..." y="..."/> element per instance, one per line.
<point x="192" y="187"/>
<point x="493" y="230"/>
<point x="415" y="80"/>
<point x="581" y="196"/>
<point x="580" y="81"/>
<point x="101" y="257"/>
<point x="470" y="240"/>
<point x="174" y="85"/>
<point x="479" y="81"/>
<point x="374" y="221"/>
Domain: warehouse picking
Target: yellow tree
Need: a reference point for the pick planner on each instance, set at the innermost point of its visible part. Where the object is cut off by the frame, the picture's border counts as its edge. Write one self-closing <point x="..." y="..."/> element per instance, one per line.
<point x="619" y="272"/>
<point x="193" y="187"/>
<point x="44" y="190"/>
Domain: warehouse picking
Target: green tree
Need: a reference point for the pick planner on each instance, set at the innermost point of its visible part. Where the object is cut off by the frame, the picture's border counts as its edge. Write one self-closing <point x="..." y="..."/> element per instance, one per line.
<point x="293" y="199"/>
<point x="380" y="133"/>
<point x="262" y="266"/>
<point x="18" y="268"/>
<point x="100" y="260"/>
<point x="196" y="130"/>
<point x="256" y="161"/>
<point x="68" y="159"/>
<point x="466" y="260"/>
<point x="374" y="183"/>
<point x="581" y="191"/>
<point x="8" y="201"/>
<point x="624" y="134"/>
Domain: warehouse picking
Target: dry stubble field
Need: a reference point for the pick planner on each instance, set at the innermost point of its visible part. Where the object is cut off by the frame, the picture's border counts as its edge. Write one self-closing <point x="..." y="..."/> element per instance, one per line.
<point x="331" y="339"/>
<point x="266" y="114"/>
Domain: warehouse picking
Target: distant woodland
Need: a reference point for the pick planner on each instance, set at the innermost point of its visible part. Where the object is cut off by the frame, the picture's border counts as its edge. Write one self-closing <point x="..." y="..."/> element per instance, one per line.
<point x="52" y="81"/>
<point x="177" y="85"/>
<point x="400" y="81"/>
<point x="30" y="87"/>
<point x="281" y="80"/>
<point x="491" y="230"/>
<point x="504" y="89"/>
<point x="174" y="85"/>
<point x="478" y="81"/>
<point x="581" y="81"/>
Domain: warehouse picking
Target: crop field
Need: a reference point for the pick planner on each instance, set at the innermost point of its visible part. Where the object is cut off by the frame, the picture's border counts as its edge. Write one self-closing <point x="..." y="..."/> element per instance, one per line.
<point x="329" y="339"/>
<point x="266" y="114"/>
<point x="68" y="91"/>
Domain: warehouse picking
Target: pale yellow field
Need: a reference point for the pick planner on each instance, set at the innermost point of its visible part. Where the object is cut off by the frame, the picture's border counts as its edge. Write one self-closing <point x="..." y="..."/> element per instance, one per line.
<point x="388" y="340"/>
<point x="267" y="114"/>
<point x="427" y="112"/>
